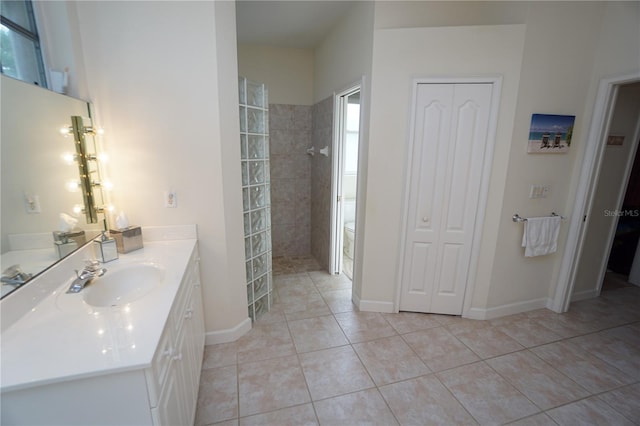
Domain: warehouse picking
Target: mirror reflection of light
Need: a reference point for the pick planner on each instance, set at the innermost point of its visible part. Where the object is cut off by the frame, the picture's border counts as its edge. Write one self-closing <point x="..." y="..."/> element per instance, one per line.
<point x="103" y="157"/>
<point x="65" y="130"/>
<point x="100" y="332"/>
<point x="77" y="209"/>
<point x="72" y="186"/>
<point x="107" y="185"/>
<point x="68" y="158"/>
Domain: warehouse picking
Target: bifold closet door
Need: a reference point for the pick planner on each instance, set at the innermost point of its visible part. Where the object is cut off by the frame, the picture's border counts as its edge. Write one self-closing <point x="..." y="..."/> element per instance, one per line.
<point x="450" y="127"/>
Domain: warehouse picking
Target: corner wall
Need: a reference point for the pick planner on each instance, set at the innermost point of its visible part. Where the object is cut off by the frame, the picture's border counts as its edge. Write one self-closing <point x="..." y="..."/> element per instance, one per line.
<point x="172" y="123"/>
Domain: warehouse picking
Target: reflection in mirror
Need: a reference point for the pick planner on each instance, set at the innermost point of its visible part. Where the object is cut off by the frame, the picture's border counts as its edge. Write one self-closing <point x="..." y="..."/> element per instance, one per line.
<point x="42" y="207"/>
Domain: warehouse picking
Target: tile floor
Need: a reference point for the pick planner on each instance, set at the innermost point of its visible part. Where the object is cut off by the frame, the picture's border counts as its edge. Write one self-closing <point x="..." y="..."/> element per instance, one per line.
<point x="314" y="359"/>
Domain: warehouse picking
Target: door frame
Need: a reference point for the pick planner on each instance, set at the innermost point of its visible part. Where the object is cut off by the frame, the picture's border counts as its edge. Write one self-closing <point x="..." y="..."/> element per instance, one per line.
<point x="487" y="161"/>
<point x="337" y="169"/>
<point x="589" y="174"/>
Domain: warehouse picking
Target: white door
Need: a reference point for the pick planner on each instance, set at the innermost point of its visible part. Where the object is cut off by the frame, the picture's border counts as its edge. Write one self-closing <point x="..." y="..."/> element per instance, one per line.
<point x="451" y="123"/>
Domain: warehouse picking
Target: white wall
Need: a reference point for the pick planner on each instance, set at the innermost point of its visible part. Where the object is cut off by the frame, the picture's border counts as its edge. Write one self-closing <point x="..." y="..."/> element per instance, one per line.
<point x="552" y="81"/>
<point x="399" y="56"/>
<point x="414" y="14"/>
<point x="163" y="78"/>
<point x="345" y="54"/>
<point x="287" y="72"/>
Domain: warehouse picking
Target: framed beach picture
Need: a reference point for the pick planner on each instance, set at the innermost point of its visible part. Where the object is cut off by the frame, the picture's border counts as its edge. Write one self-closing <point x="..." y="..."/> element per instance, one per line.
<point x="550" y="134"/>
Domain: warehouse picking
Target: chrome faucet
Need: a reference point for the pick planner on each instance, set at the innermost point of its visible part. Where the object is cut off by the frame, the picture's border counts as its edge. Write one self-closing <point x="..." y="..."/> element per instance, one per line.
<point x="13" y="275"/>
<point x="91" y="270"/>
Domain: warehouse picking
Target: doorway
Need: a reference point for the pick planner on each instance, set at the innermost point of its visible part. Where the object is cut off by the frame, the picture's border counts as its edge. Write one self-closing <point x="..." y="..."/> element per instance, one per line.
<point x="584" y="211"/>
<point x="613" y="228"/>
<point x="345" y="181"/>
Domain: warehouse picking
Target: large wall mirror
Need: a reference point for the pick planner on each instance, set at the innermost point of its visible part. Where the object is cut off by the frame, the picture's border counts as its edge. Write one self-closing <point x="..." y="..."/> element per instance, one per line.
<point x="43" y="204"/>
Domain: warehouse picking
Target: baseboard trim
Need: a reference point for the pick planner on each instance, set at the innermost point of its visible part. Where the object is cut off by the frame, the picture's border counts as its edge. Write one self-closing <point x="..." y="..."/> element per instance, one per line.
<point x="374" y="306"/>
<point x="504" y="310"/>
<point x="229" y="334"/>
<point x="585" y="294"/>
<point x="355" y="299"/>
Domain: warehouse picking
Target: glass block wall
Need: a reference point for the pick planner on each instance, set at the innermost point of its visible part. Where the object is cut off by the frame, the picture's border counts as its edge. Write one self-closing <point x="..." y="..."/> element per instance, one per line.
<point x="256" y="194"/>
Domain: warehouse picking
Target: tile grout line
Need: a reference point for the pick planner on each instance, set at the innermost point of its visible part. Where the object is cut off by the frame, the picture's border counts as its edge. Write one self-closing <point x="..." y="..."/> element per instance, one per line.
<point x="568" y="339"/>
<point x="313" y="406"/>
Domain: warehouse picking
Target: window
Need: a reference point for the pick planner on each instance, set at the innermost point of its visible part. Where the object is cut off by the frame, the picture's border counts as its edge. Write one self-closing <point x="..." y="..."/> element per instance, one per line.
<point x="21" y="57"/>
<point x="352" y="138"/>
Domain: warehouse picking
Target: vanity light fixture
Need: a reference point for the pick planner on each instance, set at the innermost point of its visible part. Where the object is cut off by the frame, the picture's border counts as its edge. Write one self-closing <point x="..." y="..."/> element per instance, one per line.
<point x="82" y="158"/>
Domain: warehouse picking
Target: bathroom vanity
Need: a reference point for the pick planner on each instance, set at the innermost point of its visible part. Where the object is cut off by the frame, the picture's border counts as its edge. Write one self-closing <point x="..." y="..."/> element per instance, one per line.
<point x="124" y="350"/>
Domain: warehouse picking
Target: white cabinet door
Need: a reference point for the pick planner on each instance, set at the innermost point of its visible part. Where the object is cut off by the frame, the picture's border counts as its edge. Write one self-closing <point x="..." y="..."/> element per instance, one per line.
<point x="170" y="409"/>
<point x="450" y="126"/>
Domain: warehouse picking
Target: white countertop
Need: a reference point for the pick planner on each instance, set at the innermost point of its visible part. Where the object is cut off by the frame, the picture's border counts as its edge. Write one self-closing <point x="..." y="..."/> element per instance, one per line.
<point x="63" y="338"/>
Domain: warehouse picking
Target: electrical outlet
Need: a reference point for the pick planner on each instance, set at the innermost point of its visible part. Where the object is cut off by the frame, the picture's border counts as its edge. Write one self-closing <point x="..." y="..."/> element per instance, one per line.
<point x="539" y="191"/>
<point x="31" y="203"/>
<point x="170" y="199"/>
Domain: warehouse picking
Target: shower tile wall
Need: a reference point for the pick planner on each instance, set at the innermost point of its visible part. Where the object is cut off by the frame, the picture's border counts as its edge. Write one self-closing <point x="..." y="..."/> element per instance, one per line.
<point x="322" y="135"/>
<point x="290" y="136"/>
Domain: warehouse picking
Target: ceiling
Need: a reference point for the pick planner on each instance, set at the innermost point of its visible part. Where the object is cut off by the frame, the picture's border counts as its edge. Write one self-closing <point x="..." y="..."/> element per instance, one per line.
<point x="298" y="24"/>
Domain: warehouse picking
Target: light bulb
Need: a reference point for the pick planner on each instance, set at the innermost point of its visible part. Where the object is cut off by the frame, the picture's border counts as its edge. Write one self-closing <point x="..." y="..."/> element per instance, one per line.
<point x="107" y="185"/>
<point x="103" y="157"/>
<point x="77" y="209"/>
<point x="111" y="208"/>
<point x="73" y="186"/>
<point x="100" y="131"/>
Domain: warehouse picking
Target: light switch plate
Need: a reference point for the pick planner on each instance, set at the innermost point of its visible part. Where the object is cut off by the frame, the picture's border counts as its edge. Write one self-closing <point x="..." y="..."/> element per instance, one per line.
<point x="539" y="191"/>
<point x="170" y="199"/>
<point x="32" y="203"/>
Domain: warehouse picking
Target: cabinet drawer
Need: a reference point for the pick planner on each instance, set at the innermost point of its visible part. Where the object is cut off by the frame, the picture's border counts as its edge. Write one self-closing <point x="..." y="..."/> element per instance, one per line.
<point x="160" y="365"/>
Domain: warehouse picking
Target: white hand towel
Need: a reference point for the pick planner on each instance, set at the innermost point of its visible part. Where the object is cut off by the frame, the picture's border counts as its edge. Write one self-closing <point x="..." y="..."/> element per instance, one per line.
<point x="541" y="235"/>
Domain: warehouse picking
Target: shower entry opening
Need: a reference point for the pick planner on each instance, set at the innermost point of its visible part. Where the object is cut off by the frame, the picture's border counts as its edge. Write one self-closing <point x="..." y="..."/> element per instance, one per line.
<point x="345" y="180"/>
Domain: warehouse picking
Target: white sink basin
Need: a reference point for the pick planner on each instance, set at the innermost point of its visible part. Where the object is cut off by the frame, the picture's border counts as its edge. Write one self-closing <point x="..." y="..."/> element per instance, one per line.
<point x="123" y="285"/>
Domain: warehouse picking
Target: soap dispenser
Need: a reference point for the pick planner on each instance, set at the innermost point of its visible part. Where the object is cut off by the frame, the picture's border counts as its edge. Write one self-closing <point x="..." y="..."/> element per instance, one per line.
<point x="106" y="247"/>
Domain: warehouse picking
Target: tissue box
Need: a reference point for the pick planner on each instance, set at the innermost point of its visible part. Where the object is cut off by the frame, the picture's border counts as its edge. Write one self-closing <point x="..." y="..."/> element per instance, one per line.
<point x="127" y="239"/>
<point x="75" y="234"/>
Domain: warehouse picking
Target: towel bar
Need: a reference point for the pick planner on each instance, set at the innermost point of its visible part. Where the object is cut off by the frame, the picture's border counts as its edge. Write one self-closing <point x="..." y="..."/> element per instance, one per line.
<point x="517" y="218"/>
